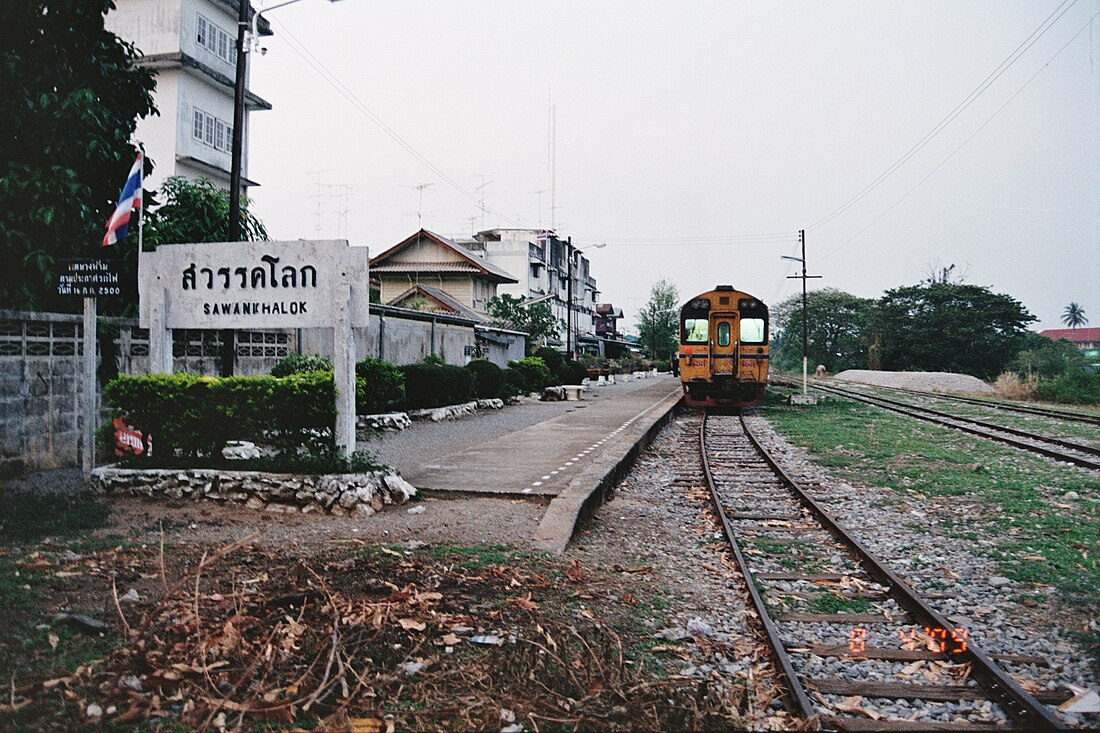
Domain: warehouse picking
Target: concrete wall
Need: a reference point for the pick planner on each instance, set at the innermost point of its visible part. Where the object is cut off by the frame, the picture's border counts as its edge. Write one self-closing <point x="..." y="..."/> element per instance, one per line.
<point x="406" y="337"/>
<point x="41" y="365"/>
<point x="41" y="375"/>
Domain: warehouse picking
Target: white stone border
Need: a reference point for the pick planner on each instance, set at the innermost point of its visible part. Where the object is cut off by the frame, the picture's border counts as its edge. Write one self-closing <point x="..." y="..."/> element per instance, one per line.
<point x="342" y="495"/>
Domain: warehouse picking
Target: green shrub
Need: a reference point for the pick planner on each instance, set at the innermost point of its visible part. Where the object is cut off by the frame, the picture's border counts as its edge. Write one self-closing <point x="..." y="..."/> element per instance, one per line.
<point x="378" y="385"/>
<point x="536" y="374"/>
<point x="488" y="376"/>
<point x="513" y="383"/>
<point x="428" y="385"/>
<point x="555" y="362"/>
<point x="572" y="372"/>
<point x="1077" y="387"/>
<point x="298" y="363"/>
<point x="195" y="416"/>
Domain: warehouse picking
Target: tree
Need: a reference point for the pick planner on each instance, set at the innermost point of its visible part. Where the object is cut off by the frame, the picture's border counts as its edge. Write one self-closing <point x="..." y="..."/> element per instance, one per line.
<point x="71" y="100"/>
<point x="659" y="321"/>
<point x="1045" y="358"/>
<point x="837" y="334"/>
<point x="949" y="327"/>
<point x="1074" y="316"/>
<point x="196" y="211"/>
<point x="534" y="319"/>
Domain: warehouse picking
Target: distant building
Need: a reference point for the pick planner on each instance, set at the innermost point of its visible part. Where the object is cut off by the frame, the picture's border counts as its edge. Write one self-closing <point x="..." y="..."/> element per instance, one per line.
<point x="1085" y="339"/>
<point x="539" y="260"/>
<point x="431" y="271"/>
<point x="192" y="45"/>
<point x="613" y="343"/>
<point x="607" y="321"/>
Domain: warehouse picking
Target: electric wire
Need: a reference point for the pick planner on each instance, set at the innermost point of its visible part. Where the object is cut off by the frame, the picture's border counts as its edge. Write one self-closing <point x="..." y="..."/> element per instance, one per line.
<point x="1011" y="59"/>
<point x="319" y="66"/>
<point x="963" y="144"/>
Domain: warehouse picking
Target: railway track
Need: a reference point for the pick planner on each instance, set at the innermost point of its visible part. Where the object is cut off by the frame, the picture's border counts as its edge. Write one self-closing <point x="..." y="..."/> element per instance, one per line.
<point x="820" y="595"/>
<point x="1062" y="450"/>
<point x="1000" y="405"/>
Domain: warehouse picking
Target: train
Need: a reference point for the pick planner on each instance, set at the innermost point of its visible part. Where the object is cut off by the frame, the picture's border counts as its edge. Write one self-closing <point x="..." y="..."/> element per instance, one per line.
<point x="722" y="359"/>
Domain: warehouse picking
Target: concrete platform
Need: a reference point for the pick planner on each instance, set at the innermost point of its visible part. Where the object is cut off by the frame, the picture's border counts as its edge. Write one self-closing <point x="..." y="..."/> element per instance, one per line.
<point x="573" y="458"/>
<point x="542" y="459"/>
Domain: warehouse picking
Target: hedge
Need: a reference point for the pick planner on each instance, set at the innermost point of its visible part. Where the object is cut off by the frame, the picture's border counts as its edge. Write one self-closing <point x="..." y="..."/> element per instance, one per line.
<point x="488" y="376"/>
<point x="436" y="385"/>
<point x="536" y="374"/>
<point x="195" y="416"/>
<point x="380" y="384"/>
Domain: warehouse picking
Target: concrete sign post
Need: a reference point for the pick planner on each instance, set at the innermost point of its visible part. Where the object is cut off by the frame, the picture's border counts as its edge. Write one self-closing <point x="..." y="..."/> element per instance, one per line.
<point x="257" y="285"/>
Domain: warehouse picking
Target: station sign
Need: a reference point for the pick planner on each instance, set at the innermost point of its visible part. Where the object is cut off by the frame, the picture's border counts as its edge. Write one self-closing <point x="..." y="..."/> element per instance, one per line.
<point x="92" y="278"/>
<point x="254" y="284"/>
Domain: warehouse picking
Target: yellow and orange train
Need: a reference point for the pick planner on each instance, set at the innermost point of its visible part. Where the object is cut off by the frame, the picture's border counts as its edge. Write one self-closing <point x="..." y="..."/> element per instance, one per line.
<point x="723" y="355"/>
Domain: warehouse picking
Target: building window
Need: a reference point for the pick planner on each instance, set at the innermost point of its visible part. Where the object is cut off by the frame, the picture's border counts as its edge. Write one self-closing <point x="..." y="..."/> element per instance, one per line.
<point x="209" y="130"/>
<point x="216" y="41"/>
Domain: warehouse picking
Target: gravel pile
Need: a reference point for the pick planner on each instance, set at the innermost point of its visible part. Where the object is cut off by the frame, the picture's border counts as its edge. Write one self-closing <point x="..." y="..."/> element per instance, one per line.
<point x="928" y="381"/>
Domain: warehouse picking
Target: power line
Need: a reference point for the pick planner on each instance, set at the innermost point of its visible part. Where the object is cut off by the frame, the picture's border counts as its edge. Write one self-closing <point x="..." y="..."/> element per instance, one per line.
<point x="972" y="135"/>
<point x="1027" y="43"/>
<point x="298" y="47"/>
<point x="700" y="241"/>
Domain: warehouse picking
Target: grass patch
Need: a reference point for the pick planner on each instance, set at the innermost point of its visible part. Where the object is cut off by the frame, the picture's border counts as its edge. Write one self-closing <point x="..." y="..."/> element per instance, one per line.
<point x="987" y="491"/>
<point x="26" y="649"/>
<point x="834" y="603"/>
<point x="29" y="517"/>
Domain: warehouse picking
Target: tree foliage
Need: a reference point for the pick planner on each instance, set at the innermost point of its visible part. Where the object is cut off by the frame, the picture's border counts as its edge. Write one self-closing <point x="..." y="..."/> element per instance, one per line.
<point x="1045" y="358"/>
<point x="1074" y="316"/>
<point x="659" y="321"/>
<point x="836" y="334"/>
<point x="71" y="101"/>
<point x="534" y="319"/>
<point x="949" y="327"/>
<point x="196" y="211"/>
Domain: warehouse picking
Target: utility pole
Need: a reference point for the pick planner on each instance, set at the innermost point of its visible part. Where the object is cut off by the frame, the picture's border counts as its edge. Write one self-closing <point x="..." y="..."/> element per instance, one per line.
<point x="229" y="336"/>
<point x="569" y="300"/>
<point x="804" y="277"/>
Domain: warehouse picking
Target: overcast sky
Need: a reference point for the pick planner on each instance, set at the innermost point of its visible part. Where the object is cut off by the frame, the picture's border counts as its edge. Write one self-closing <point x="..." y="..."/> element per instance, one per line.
<point x="697" y="138"/>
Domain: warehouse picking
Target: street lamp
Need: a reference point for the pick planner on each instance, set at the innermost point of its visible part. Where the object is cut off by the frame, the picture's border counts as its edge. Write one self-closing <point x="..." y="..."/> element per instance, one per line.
<point x="569" y="340"/>
<point x="804" y="277"/>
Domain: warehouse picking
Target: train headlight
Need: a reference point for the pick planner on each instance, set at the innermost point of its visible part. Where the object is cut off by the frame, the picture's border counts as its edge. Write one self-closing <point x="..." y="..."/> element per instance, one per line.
<point x="701" y="304"/>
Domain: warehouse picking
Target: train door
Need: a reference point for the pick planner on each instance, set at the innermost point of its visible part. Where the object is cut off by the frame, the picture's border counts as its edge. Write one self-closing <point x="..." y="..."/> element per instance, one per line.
<point x="724" y="343"/>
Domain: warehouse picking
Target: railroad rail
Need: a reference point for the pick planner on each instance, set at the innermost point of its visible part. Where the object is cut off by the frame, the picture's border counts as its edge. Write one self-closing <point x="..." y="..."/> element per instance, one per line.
<point x="999" y="405"/>
<point x="1062" y="450"/>
<point x="762" y="511"/>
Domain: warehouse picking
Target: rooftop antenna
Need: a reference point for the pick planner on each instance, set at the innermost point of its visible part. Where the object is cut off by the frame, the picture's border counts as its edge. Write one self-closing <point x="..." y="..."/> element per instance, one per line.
<point x="539" y="193"/>
<point x="553" y="164"/>
<point x="481" y="191"/>
<point x="419" y="220"/>
<point x="317" y="182"/>
<point x="420" y="202"/>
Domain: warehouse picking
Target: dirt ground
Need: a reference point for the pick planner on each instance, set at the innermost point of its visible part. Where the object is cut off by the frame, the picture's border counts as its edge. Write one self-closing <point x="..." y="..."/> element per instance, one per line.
<point x="221" y="617"/>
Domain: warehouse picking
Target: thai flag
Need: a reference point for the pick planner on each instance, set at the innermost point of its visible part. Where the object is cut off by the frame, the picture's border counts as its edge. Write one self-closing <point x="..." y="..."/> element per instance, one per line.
<point x="128" y="200"/>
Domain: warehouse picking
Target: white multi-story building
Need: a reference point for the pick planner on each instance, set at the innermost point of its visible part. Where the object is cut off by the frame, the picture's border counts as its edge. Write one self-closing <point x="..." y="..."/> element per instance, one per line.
<point x="540" y="261"/>
<point x="192" y="45"/>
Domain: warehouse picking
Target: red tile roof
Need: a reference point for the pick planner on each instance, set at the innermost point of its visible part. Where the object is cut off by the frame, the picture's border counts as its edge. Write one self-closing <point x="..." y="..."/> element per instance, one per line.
<point x="1076" y="335"/>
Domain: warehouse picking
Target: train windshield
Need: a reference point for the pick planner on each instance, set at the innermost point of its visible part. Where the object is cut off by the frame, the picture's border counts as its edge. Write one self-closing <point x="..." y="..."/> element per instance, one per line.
<point x="695" y="330"/>
<point x="752" y="331"/>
